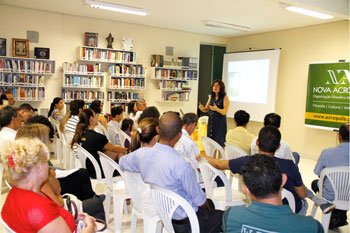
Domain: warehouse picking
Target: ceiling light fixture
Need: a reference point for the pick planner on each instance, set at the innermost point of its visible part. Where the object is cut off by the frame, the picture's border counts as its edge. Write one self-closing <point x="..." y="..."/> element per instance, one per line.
<point x="307" y="12"/>
<point x="210" y="23"/>
<point x="117" y="8"/>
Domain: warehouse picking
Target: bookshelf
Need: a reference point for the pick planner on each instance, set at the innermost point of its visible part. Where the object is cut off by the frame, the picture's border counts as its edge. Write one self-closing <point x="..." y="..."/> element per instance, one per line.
<point x="93" y="54"/>
<point x="25" y="77"/>
<point x="173" y="82"/>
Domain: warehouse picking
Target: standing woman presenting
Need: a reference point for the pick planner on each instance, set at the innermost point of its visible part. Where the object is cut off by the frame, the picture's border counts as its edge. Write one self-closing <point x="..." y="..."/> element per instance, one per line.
<point x="217" y="107"/>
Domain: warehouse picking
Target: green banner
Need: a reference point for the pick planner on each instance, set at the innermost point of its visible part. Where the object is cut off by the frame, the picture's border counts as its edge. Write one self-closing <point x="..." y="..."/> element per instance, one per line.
<point x="328" y="89"/>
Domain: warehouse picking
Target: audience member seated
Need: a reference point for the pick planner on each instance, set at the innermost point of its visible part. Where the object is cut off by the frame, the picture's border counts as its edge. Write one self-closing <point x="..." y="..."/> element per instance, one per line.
<point x="284" y="151"/>
<point x="262" y="183"/>
<point x="127" y="126"/>
<point x="10" y="121"/>
<point x="92" y="141"/>
<point x="131" y="109"/>
<point x="334" y="157"/>
<point x="151" y="111"/>
<point x="26" y="208"/>
<point x="117" y="113"/>
<point x="26" y="111"/>
<point x="7" y="98"/>
<point x="97" y="107"/>
<point x="140" y="106"/>
<point x="163" y="166"/>
<point x="56" y="107"/>
<point x="69" y="125"/>
<point x="145" y="135"/>
<point x="268" y="142"/>
<point x="240" y="136"/>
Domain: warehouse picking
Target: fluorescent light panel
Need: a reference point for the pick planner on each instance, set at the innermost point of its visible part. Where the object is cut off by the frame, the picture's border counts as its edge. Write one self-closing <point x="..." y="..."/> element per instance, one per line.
<point x="309" y="12"/>
<point x="210" y="23"/>
<point x="117" y="8"/>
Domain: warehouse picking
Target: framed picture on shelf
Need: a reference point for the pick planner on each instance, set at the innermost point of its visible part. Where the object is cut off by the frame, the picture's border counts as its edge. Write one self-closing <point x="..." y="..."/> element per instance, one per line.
<point x="91" y="39"/>
<point x="2" y="47"/>
<point x="20" y="47"/>
<point x="42" y="53"/>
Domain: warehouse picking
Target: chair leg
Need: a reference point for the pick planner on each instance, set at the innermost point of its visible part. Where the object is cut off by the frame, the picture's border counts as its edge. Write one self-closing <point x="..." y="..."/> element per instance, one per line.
<point x="118" y="202"/>
<point x="133" y="221"/>
<point x="325" y="221"/>
<point x="313" y="211"/>
<point x="107" y="206"/>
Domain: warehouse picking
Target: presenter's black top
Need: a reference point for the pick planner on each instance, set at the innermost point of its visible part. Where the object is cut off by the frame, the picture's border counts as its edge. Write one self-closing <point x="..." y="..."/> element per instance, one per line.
<point x="217" y="126"/>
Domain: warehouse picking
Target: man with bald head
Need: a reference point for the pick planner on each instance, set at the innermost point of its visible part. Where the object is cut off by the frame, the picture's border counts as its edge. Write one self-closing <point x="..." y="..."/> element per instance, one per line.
<point x="163" y="166"/>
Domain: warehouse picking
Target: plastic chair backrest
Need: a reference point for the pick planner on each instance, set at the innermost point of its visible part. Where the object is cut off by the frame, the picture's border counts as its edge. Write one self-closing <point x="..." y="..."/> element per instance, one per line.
<point x="203" y="120"/>
<point x="7" y="228"/>
<point x="102" y="130"/>
<point x="82" y="155"/>
<point x="209" y="173"/>
<point x="233" y="152"/>
<point x="136" y="188"/>
<point x="109" y="166"/>
<point x="113" y="135"/>
<point x="123" y="137"/>
<point x="290" y="198"/>
<point x="339" y="177"/>
<point x="166" y="202"/>
<point x="210" y="146"/>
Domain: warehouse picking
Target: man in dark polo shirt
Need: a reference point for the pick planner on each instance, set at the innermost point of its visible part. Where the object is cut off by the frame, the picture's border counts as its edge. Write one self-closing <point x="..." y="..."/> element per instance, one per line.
<point x="268" y="142"/>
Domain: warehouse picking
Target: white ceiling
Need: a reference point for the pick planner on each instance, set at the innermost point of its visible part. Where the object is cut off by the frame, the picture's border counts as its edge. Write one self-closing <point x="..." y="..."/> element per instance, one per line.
<point x="187" y="15"/>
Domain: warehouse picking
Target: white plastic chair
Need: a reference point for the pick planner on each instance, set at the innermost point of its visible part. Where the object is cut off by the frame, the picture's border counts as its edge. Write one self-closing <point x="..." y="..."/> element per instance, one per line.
<point x="6" y="227"/>
<point x="102" y="130"/>
<point x="233" y="152"/>
<point x="339" y="177"/>
<point x="123" y="137"/>
<point x="211" y="146"/>
<point x="221" y="196"/>
<point x="115" y="190"/>
<point x="290" y="198"/>
<point x="113" y="135"/>
<point x="57" y="140"/>
<point x="166" y="202"/>
<point x="141" y="196"/>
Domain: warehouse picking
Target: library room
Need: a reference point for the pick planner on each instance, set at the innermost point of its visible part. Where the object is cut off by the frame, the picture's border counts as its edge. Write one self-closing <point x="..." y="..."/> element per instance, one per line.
<point x="183" y="116"/>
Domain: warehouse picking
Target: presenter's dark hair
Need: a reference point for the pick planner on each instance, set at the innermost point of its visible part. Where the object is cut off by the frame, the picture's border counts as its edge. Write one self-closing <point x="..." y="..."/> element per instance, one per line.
<point x="117" y="110"/>
<point x="241" y="118"/>
<point x="222" y="92"/>
<point x="272" y="119"/>
<point x="96" y="106"/>
<point x="55" y="101"/>
<point x="189" y="118"/>
<point x="262" y="176"/>
<point x="269" y="139"/>
<point x="344" y="132"/>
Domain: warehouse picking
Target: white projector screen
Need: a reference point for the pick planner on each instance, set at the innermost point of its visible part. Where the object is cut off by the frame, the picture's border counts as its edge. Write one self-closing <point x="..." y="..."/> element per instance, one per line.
<point x="250" y="79"/>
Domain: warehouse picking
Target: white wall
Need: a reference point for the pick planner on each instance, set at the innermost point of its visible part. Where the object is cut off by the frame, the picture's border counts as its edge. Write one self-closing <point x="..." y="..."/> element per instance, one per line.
<point x="64" y="33"/>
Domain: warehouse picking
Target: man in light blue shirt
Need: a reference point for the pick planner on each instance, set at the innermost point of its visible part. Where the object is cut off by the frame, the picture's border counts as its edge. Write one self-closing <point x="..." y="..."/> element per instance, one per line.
<point x="163" y="166"/>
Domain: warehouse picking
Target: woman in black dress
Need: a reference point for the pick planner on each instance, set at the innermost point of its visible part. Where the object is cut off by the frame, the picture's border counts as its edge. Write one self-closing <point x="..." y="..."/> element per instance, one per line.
<point x="217" y="107"/>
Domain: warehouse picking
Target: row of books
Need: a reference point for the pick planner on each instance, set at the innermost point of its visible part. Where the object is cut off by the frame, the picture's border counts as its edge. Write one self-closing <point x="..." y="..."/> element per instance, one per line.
<point x="26" y="93"/>
<point x="134" y="83"/>
<point x="82" y="68"/>
<point x="25" y="66"/>
<point x="176" y="74"/>
<point x="123" y="96"/>
<point x="126" y="70"/>
<point x="175" y="96"/>
<point x="108" y="55"/>
<point x="82" y="81"/>
<point x="69" y="95"/>
<point x="170" y="85"/>
<point x="10" y="79"/>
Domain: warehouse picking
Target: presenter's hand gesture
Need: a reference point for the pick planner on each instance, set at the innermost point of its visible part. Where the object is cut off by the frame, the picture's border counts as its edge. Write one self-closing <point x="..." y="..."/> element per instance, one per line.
<point x="213" y="107"/>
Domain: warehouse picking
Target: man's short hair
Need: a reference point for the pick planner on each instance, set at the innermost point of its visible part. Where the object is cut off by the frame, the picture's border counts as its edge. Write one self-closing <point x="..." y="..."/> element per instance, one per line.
<point x="269" y="139"/>
<point x="151" y="111"/>
<point x="117" y="110"/>
<point x="272" y="119"/>
<point x="262" y="176"/>
<point x="6" y="115"/>
<point x="344" y="132"/>
<point x="39" y="119"/>
<point x="27" y="107"/>
<point x="169" y="125"/>
<point x="189" y="118"/>
<point x="241" y="118"/>
<point x="75" y="105"/>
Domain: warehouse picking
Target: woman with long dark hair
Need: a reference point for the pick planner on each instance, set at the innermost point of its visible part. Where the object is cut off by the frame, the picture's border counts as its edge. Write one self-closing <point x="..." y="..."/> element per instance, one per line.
<point x="217" y="106"/>
<point x="56" y="107"/>
<point x="92" y="141"/>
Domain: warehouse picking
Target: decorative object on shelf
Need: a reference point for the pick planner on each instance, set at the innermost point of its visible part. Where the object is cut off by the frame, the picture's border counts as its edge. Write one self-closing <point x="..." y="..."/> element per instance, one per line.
<point x="20" y="47"/>
<point x="42" y="53"/>
<point x="127" y="43"/>
<point x="110" y="40"/>
<point x="157" y="60"/>
<point x="91" y="39"/>
<point x="2" y="47"/>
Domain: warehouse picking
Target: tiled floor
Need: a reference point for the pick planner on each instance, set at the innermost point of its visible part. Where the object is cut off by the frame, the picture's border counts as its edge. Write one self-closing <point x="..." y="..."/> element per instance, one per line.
<point x="306" y="167"/>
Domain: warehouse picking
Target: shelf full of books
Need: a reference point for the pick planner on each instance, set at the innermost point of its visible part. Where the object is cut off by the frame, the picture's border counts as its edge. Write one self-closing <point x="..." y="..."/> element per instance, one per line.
<point x="86" y="95"/>
<point x="123" y="96"/>
<point x="92" y="54"/>
<point x="175" y="96"/>
<point x="173" y="73"/>
<point x="25" y="77"/>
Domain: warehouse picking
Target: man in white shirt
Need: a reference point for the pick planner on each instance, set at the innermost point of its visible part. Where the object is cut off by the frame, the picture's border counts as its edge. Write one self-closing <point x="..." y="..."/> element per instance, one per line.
<point x="117" y="113"/>
<point x="10" y="121"/>
<point x="284" y="151"/>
